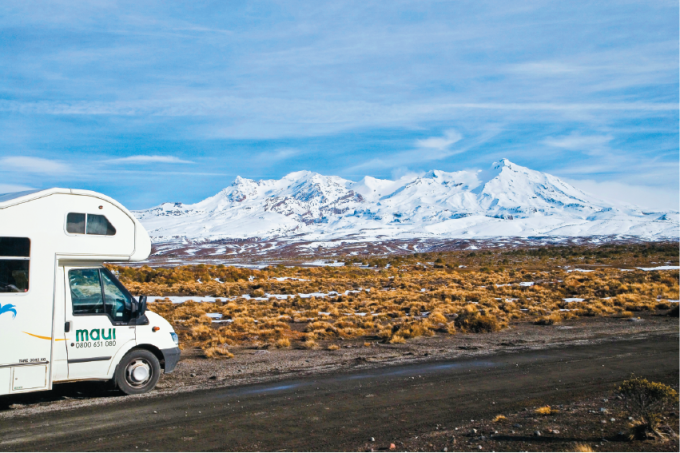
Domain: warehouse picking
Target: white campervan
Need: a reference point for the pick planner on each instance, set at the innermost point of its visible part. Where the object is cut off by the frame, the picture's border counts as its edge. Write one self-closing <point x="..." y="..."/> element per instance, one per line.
<point x="63" y="316"/>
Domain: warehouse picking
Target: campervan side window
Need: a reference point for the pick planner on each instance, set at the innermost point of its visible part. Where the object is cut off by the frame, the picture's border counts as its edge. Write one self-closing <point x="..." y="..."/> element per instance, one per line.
<point x="97" y="291"/>
<point x="77" y="223"/>
<point x="86" y="291"/>
<point x="14" y="264"/>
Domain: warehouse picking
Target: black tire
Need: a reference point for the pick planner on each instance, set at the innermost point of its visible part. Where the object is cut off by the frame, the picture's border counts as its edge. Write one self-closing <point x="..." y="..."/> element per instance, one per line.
<point x="137" y="372"/>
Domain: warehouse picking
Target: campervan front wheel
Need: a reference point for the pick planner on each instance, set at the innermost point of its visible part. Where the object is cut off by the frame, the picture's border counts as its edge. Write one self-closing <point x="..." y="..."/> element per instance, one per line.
<point x="138" y="372"/>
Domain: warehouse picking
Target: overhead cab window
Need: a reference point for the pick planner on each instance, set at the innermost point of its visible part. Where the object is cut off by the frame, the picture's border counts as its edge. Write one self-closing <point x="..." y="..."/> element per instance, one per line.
<point x="77" y="223"/>
<point x="14" y="264"/>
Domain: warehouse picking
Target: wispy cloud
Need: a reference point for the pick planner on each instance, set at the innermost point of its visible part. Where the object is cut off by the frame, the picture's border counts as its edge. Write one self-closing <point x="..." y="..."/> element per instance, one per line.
<point x="449" y="138"/>
<point x="33" y="165"/>
<point x="650" y="197"/>
<point x="272" y="157"/>
<point x="589" y="144"/>
<point x="426" y="150"/>
<point x="142" y="159"/>
<point x="9" y="188"/>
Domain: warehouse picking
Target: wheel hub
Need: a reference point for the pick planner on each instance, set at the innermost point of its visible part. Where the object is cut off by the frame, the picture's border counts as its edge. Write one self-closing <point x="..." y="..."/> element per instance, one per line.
<point x="138" y="372"/>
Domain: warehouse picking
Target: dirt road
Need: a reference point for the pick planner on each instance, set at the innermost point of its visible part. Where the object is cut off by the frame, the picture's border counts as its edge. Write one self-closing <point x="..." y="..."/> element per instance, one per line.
<point x="343" y="411"/>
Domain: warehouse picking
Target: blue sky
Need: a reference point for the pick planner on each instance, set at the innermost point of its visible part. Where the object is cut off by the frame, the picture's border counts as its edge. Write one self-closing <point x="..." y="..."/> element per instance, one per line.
<point x="166" y="101"/>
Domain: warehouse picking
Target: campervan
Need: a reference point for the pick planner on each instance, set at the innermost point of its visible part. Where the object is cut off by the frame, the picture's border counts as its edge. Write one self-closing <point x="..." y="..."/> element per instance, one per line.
<point x="65" y="317"/>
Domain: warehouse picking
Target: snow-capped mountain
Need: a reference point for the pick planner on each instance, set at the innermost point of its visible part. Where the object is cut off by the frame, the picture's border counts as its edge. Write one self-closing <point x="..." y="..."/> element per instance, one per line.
<point x="506" y="201"/>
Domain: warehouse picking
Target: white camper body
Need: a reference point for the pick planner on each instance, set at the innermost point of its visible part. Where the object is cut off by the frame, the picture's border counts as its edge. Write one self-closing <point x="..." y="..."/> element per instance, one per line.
<point x="63" y="316"/>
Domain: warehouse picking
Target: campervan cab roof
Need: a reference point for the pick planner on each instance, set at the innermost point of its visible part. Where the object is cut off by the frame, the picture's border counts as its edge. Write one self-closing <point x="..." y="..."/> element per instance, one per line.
<point x="129" y="242"/>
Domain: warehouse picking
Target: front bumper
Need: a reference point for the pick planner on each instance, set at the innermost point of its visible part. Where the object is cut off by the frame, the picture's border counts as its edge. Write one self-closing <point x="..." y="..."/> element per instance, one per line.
<point x="171" y="357"/>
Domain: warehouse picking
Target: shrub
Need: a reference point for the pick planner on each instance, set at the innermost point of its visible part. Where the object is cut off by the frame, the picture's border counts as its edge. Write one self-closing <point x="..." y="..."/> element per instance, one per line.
<point x="646" y="401"/>
<point x="549" y="320"/>
<point x="397" y="339"/>
<point x="585" y="448"/>
<point x="545" y="410"/>
<point x="217" y="352"/>
<point x="437" y="317"/>
<point x="479" y="323"/>
<point x="282" y="343"/>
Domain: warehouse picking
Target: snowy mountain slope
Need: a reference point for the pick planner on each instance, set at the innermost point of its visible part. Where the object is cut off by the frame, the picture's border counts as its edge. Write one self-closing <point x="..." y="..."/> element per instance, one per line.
<point x="507" y="201"/>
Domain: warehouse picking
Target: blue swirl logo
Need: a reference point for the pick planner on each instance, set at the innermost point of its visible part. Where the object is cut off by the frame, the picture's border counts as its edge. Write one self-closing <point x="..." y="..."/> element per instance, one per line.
<point x="9" y="308"/>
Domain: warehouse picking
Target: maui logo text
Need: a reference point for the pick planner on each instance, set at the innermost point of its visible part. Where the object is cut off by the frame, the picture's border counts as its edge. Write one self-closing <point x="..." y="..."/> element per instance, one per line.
<point x="95" y="335"/>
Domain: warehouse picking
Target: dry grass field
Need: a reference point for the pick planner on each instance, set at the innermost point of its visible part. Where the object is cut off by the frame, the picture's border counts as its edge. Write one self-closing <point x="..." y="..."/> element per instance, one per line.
<point x="396" y="298"/>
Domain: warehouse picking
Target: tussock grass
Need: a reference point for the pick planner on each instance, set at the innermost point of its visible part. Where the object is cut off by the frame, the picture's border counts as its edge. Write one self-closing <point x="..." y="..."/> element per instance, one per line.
<point x="546" y="410"/>
<point x="583" y="448"/>
<point x="417" y="295"/>
<point x="217" y="352"/>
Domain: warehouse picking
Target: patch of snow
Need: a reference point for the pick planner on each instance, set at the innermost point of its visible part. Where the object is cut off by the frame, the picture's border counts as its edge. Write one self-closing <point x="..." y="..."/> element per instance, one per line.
<point x="660" y="268"/>
<point x="324" y="263"/>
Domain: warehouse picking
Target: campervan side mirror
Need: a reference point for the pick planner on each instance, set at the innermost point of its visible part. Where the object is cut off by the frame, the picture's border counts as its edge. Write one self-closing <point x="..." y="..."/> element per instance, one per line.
<point x="141" y="306"/>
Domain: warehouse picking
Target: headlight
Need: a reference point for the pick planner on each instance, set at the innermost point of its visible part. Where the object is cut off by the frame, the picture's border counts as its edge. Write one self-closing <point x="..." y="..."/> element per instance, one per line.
<point x="175" y="338"/>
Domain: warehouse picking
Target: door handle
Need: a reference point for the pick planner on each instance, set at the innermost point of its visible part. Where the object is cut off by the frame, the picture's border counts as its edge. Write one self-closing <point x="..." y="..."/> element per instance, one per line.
<point x="67" y="326"/>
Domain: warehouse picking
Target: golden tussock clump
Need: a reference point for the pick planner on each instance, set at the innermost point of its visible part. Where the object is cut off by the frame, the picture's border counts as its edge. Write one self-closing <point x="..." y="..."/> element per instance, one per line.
<point x="310" y="344"/>
<point x="583" y="448"/>
<point x="499" y="419"/>
<point x="333" y="347"/>
<point x="217" y="352"/>
<point x="282" y="343"/>
<point x="549" y="320"/>
<point x="545" y="410"/>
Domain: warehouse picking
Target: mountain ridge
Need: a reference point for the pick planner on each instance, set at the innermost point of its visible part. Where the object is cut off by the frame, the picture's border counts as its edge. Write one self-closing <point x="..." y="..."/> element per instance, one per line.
<point x="507" y="201"/>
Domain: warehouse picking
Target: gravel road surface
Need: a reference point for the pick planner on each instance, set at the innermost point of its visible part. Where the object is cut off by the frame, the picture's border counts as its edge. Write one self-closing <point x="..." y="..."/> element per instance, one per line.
<point x="343" y="411"/>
